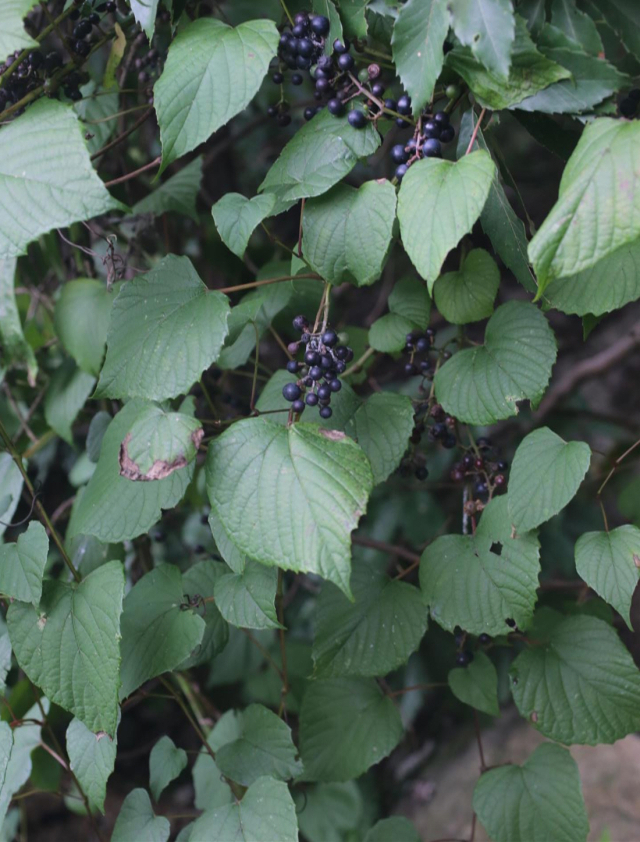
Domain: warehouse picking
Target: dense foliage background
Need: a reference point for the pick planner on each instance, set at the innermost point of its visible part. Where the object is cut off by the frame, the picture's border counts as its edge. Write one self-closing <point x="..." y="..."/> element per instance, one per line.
<point x="318" y="408"/>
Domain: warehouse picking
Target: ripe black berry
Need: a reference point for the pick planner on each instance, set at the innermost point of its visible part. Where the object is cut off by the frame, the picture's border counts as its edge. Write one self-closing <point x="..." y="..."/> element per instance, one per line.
<point x="320" y="25"/>
<point x="305" y="47"/>
<point x="401" y="171"/>
<point x="441" y="117"/>
<point x="399" y="154"/>
<point x="324" y="392"/>
<point x="510" y="622"/>
<point x="300" y="323"/>
<point x="449" y="441"/>
<point x="329" y="338"/>
<point x="277" y="78"/>
<point x="447" y="134"/>
<point x="345" y="61"/>
<point x="483" y="639"/>
<point x="312" y="358"/>
<point x="298" y="406"/>
<point x="377" y="89"/>
<point x="410" y="369"/>
<point x="94" y="19"/>
<point x="423" y="344"/>
<point x="431" y="129"/>
<point x="335" y="107"/>
<point x="296" y="79"/>
<point x="292" y="367"/>
<point x="284" y="119"/>
<point x="464" y="658"/>
<point x="110" y="7"/>
<point x="309" y="113"/>
<point x="340" y="47"/>
<point x="421" y="472"/>
<point x="312" y="399"/>
<point x="82" y="48"/>
<point x="291" y="392"/>
<point x="335" y="385"/>
<point x="431" y="148"/>
<point x="300" y="29"/>
<point x="82" y="29"/>
<point x="272" y="111"/>
<point x="326" y="412"/>
<point x="357" y="119"/>
<point x="404" y="105"/>
<point x="315" y="372"/>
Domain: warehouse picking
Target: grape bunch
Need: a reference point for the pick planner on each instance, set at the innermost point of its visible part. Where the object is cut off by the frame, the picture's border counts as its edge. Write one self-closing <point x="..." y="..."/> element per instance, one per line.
<point x="319" y="375"/>
<point x="432" y="131"/>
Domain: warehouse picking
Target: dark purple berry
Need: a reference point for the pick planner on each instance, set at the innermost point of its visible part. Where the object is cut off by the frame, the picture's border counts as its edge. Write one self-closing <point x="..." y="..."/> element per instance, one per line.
<point x="320" y="25"/>
<point x="404" y="105"/>
<point x="296" y="79"/>
<point x="284" y="119"/>
<point x="335" y="385"/>
<point x="309" y="113"/>
<point x="324" y="392"/>
<point x="431" y="148"/>
<point x="292" y="367"/>
<point x="300" y="323"/>
<point x="335" y="107"/>
<point x="464" y="658"/>
<point x="82" y="48"/>
<point x="447" y="134"/>
<point x="340" y="47"/>
<point x="483" y="639"/>
<point x="357" y="119"/>
<point x="398" y="154"/>
<point x="315" y="372"/>
<point x="441" y="117"/>
<point x="345" y="61"/>
<point x="401" y="171"/>
<point x="277" y="78"/>
<point x="326" y="412"/>
<point x="291" y="392"/>
<point x="431" y="129"/>
<point x="421" y="472"/>
<point x="311" y="399"/>
<point x="329" y="338"/>
<point x="449" y="441"/>
<point x="377" y="89"/>
<point x="312" y="358"/>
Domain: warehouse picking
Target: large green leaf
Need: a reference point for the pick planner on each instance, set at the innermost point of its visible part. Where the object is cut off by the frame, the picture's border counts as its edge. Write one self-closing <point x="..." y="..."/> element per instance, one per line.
<point x="540" y="800"/>
<point x="12" y="33"/>
<point x="347" y="232"/>
<point x="11" y="484"/>
<point x="601" y="181"/>
<point x="623" y="16"/>
<point x="91" y="758"/>
<point x="343" y="403"/>
<point x="177" y="193"/>
<point x="319" y="154"/>
<point x="609" y="562"/>
<point x="545" y="475"/>
<point x="477" y="684"/>
<point x="236" y="218"/>
<point x="382" y="426"/>
<point x="290" y="496"/>
<point x="26" y="737"/>
<point x="15" y="348"/>
<point x="592" y="78"/>
<point x="326" y="811"/>
<point x="22" y="564"/>
<point x="201" y="580"/>
<point x="480" y="581"/>
<point x="69" y="646"/>
<point x="246" y="599"/>
<point x="439" y="202"/>
<point x="166" y="761"/>
<point x="144" y="11"/>
<point x="393" y="829"/>
<point x="530" y="72"/>
<point x="157" y="634"/>
<point x="389" y="333"/>
<point x="373" y="635"/>
<point x="613" y="282"/>
<point x="212" y="72"/>
<point x="66" y="394"/>
<point x="409" y="298"/>
<point x="166" y="328"/>
<point x="488" y="27"/>
<point x="576" y="25"/>
<point x="418" y="41"/>
<point x="484" y="384"/>
<point x="114" y="508"/>
<point x="468" y="294"/>
<point x="82" y="319"/>
<point x="498" y="219"/>
<point x="578" y="683"/>
<point x="266" y="811"/>
<point x="34" y="199"/>
<point x="159" y="443"/>
<point x="137" y="821"/>
<point x="346" y="725"/>
<point x="260" y="745"/>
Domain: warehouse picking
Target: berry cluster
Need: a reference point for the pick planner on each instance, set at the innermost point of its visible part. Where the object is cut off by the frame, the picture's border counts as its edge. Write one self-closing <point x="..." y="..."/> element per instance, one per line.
<point x="319" y="375"/>
<point x="300" y="48"/>
<point x="147" y="66"/>
<point x="629" y="106"/>
<point x="417" y="345"/>
<point x="464" y="655"/>
<point x="432" y="131"/>
<point x="487" y="471"/>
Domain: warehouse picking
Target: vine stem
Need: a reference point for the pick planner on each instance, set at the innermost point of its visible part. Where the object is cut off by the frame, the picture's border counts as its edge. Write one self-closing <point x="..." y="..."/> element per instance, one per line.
<point x="40" y="508"/>
<point x="122" y="136"/>
<point x="115" y="116"/>
<point x="254" y="284"/>
<point x="476" y="129"/>
<point x="282" y="712"/>
<point x="476" y="723"/>
<point x="286" y="11"/>
<point x="357" y="365"/>
<point x="391" y="549"/>
<point x="128" y="176"/>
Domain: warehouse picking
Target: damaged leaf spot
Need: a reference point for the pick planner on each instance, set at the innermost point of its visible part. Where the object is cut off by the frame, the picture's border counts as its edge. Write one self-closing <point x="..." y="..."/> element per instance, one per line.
<point x="161" y="468"/>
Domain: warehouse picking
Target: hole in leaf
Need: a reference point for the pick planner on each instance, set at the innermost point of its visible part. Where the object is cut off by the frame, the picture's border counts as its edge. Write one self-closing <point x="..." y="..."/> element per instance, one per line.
<point x="496" y="549"/>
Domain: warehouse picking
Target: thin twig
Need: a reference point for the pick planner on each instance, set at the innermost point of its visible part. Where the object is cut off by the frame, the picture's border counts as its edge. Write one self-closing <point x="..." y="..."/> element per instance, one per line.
<point x="390" y="549"/>
<point x="122" y="136"/>
<point x="476" y="129"/>
<point x="128" y="176"/>
<point x="254" y="284"/>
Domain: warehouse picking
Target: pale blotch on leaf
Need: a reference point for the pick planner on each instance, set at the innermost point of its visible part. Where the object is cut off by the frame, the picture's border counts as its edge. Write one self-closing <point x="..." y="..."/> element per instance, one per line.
<point x="161" y="468"/>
